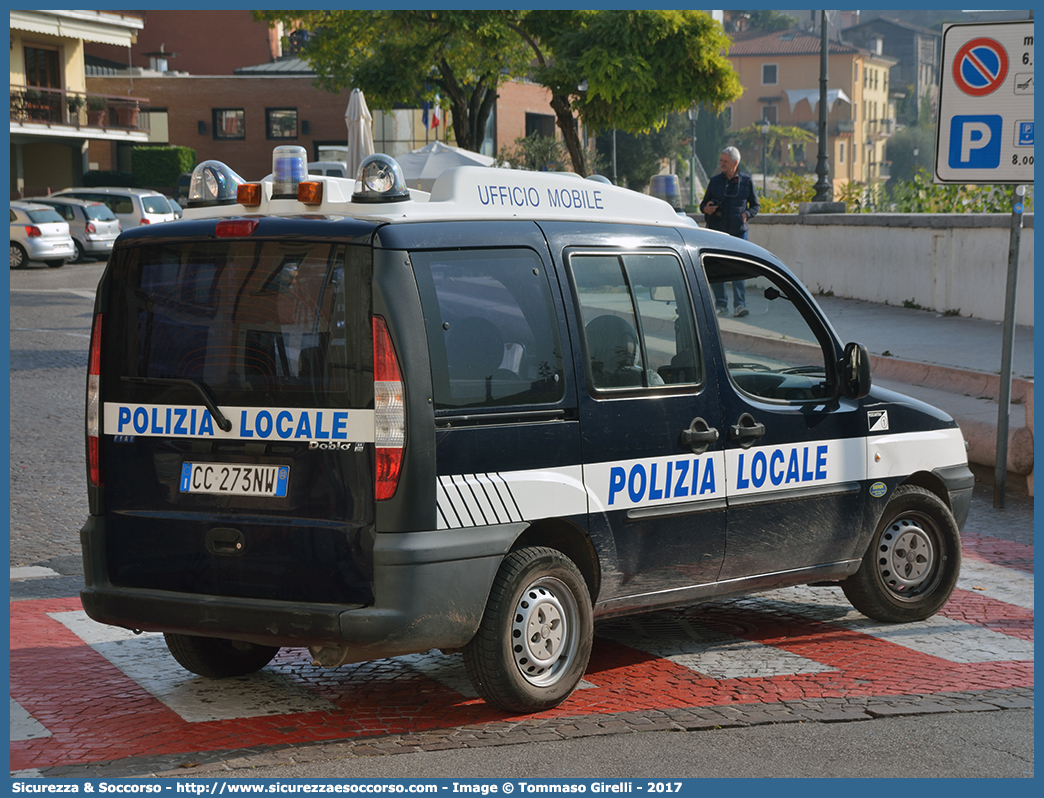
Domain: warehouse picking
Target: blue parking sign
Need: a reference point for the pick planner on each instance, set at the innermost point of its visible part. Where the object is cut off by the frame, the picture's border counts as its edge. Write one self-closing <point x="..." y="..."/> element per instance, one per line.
<point x="975" y="141"/>
<point x="1025" y="134"/>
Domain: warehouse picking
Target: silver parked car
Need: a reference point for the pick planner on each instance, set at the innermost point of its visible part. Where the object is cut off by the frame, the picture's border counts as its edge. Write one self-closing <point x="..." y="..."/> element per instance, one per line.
<point x="132" y="206"/>
<point x="39" y="233"/>
<point x="93" y="227"/>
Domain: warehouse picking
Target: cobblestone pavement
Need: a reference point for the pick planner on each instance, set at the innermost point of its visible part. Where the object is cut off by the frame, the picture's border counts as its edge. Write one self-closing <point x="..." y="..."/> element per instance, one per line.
<point x="91" y="700"/>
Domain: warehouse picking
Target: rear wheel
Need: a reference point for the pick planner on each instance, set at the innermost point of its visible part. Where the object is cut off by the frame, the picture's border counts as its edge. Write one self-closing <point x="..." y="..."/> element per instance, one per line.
<point x="81" y="253"/>
<point x="217" y="658"/>
<point x="19" y="258"/>
<point x="533" y="644"/>
<point x="913" y="561"/>
<point x="56" y="264"/>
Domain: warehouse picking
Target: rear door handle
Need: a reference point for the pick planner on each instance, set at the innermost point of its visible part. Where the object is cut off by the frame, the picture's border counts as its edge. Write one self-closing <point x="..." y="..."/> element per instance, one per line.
<point x="746" y="430"/>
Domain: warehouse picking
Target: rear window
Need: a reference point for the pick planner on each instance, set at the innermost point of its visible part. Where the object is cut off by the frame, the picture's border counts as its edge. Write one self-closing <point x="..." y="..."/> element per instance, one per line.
<point x="48" y="216"/>
<point x="99" y="213"/>
<point x="156" y="204"/>
<point x="254" y="322"/>
<point x="492" y="329"/>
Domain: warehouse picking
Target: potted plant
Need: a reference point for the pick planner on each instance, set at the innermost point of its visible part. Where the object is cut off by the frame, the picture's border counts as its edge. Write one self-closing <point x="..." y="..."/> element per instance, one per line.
<point x="96" y="108"/>
<point x="75" y="104"/>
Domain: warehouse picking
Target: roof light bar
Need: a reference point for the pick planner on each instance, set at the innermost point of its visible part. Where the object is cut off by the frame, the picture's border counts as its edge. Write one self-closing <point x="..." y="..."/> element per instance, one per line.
<point x="213" y="183"/>
<point x="380" y="179"/>
<point x="289" y="168"/>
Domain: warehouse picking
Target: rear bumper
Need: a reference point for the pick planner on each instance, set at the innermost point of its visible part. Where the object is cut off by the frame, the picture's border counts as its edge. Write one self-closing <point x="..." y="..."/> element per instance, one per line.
<point x="98" y="244"/>
<point x="431" y="590"/>
<point x="49" y="249"/>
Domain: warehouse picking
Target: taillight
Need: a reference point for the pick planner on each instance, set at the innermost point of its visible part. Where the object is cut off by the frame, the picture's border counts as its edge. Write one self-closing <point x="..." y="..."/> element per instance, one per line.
<point x="91" y="228"/>
<point x="94" y="404"/>
<point x="389" y="412"/>
<point x="145" y="221"/>
<point x="32" y="232"/>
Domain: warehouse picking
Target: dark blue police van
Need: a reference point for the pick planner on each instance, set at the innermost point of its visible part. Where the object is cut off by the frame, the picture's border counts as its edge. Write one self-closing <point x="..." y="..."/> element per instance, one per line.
<point x="371" y="421"/>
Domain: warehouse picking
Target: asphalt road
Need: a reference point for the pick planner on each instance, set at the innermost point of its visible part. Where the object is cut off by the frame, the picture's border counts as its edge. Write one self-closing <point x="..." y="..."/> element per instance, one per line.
<point x="973" y="745"/>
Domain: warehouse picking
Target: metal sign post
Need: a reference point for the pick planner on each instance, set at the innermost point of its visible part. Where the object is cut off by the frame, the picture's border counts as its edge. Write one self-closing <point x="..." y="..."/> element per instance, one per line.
<point x="985" y="135"/>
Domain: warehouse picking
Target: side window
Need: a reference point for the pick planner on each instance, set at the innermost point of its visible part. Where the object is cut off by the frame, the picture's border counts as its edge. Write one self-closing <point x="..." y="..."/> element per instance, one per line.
<point x="120" y="204"/>
<point x="637" y="318"/>
<point x="492" y="329"/>
<point x="775" y="352"/>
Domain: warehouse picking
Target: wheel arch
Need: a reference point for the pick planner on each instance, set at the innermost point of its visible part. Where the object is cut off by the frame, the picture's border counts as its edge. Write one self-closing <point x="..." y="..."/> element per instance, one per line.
<point x="573" y="542"/>
<point x="931" y="483"/>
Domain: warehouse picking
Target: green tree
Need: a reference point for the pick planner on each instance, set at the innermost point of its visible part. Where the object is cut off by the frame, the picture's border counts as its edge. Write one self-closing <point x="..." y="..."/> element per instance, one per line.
<point x="534" y="153"/>
<point x="639" y="155"/>
<point x="764" y="20"/>
<point x="609" y="67"/>
<point x="900" y="151"/>
<point x="406" y="57"/>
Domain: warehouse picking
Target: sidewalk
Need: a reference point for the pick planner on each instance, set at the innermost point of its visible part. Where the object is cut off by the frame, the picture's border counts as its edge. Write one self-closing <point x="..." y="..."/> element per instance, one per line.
<point x="951" y="362"/>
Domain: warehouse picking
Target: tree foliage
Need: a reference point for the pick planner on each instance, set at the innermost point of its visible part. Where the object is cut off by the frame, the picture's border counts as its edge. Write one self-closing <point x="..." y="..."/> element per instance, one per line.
<point x="407" y="57"/>
<point x="639" y="155"/>
<point x="534" y="153"/>
<point x="611" y="68"/>
<point x="623" y="69"/>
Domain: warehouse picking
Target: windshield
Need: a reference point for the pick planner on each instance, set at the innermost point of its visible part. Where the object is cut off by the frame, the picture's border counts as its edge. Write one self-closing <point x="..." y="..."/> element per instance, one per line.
<point x="254" y="322"/>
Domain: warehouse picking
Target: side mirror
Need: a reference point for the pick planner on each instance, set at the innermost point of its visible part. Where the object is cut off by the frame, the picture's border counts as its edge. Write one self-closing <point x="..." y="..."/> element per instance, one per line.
<point x="855" y="371"/>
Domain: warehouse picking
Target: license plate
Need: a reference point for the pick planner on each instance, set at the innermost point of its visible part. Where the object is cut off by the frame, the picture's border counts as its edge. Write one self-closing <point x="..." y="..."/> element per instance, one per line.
<point x="234" y="480"/>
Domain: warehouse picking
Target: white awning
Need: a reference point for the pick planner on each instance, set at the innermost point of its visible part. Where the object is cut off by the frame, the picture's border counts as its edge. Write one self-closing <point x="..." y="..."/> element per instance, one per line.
<point x="794" y="96"/>
<point x="91" y="26"/>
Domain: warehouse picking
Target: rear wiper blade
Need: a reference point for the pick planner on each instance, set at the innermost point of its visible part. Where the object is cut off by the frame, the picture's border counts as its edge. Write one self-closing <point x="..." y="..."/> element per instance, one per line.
<point x="219" y="417"/>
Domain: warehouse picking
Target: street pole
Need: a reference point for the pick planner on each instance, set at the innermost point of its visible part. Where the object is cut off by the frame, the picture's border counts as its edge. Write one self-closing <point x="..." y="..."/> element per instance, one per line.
<point x="824" y="189"/>
<point x="1000" y="468"/>
<point x="615" y="183"/>
<point x="693" y="112"/>
<point x="764" y="159"/>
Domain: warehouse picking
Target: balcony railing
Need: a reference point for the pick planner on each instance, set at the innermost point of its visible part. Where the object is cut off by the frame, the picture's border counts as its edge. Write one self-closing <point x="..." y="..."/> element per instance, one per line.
<point x="31" y="104"/>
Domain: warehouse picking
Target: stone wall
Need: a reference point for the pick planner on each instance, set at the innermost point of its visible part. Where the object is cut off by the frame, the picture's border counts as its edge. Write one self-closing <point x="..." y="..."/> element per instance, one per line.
<point x="941" y="262"/>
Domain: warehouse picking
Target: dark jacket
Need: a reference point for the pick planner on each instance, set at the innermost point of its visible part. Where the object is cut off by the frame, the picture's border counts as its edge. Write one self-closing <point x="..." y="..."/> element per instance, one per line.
<point x="732" y="197"/>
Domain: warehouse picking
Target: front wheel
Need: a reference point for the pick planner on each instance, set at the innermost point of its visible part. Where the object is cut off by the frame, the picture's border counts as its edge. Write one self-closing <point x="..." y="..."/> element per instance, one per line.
<point x="57" y="263"/>
<point x="217" y="658"/>
<point x="532" y="647"/>
<point x="913" y="561"/>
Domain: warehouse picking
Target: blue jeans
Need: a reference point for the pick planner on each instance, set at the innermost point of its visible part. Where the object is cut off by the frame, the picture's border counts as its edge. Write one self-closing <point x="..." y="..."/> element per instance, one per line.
<point x="739" y="295"/>
<point x="739" y="290"/>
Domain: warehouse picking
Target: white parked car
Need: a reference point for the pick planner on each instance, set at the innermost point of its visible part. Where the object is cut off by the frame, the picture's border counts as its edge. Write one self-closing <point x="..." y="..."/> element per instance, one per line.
<point x="39" y="233"/>
<point x="132" y="206"/>
<point x="93" y="227"/>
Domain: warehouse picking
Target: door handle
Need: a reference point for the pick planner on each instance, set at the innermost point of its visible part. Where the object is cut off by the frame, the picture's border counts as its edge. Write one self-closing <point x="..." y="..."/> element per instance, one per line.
<point x="699" y="436"/>
<point x="746" y="430"/>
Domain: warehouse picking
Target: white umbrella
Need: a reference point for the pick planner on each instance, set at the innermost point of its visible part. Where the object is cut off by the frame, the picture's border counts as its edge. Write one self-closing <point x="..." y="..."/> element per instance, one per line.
<point x="421" y="167"/>
<point x="360" y="131"/>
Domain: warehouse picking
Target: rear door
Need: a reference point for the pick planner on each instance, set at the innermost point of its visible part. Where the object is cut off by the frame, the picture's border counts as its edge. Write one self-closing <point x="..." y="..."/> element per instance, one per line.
<point x="274" y="337"/>
<point x="653" y="465"/>
<point x="507" y="440"/>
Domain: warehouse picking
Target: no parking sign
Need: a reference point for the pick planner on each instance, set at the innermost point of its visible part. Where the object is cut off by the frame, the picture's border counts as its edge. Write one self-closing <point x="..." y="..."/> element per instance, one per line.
<point x="985" y="130"/>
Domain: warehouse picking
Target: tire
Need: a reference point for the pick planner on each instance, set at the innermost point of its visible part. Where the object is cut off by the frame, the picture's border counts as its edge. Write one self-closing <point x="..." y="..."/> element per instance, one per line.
<point x="912" y="563"/>
<point x="19" y="258"/>
<point x="56" y="264"/>
<point x="81" y="253"/>
<point x="217" y="658"/>
<point x="534" y="641"/>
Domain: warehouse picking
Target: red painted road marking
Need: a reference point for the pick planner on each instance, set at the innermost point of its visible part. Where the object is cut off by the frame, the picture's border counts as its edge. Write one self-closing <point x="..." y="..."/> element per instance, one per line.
<point x="96" y="713"/>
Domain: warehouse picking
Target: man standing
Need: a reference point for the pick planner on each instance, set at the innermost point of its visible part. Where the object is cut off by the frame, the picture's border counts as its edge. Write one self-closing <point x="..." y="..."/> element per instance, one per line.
<point x="730" y="202"/>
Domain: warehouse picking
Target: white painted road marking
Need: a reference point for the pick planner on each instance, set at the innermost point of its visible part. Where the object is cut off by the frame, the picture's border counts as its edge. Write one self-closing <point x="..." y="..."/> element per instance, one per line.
<point x="144" y="659"/>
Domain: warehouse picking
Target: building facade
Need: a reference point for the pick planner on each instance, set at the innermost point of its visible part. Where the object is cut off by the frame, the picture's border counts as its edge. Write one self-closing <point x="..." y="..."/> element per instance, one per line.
<point x="54" y="118"/>
<point x="780" y="74"/>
